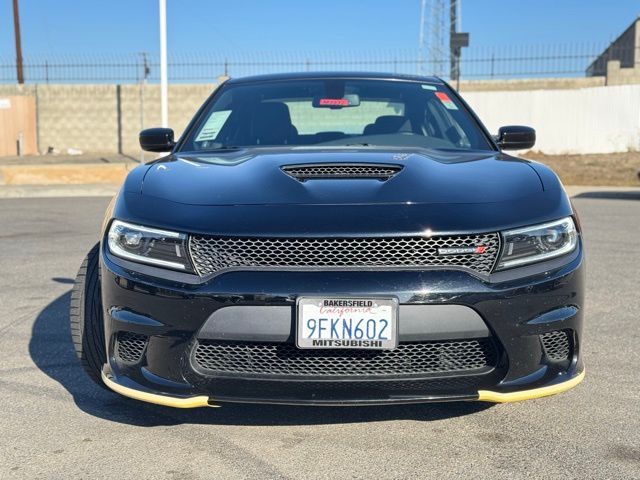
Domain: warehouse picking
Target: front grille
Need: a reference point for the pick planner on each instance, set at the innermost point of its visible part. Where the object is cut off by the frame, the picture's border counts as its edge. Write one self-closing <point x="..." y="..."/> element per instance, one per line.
<point x="270" y="358"/>
<point x="130" y="346"/>
<point x="213" y="254"/>
<point x="337" y="171"/>
<point x="556" y="344"/>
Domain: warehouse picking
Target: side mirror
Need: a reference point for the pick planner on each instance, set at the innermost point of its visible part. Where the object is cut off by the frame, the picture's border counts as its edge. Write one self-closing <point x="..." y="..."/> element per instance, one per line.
<point x="516" y="137"/>
<point x="157" y="140"/>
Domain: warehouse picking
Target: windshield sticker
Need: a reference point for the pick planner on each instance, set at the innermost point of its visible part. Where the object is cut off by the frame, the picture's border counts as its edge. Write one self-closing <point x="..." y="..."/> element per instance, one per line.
<point x="446" y="101"/>
<point x="334" y="102"/>
<point x="428" y="87"/>
<point x="213" y="125"/>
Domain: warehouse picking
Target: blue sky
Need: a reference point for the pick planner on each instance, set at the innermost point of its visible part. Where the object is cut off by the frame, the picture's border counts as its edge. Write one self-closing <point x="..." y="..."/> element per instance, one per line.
<point x="118" y="26"/>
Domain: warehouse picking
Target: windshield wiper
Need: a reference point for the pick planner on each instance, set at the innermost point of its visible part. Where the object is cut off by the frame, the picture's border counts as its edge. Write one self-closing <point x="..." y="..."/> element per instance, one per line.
<point x="222" y="148"/>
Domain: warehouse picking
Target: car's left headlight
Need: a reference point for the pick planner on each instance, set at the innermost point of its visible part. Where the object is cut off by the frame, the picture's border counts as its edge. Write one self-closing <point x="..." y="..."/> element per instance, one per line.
<point x="152" y="246"/>
<point x="537" y="243"/>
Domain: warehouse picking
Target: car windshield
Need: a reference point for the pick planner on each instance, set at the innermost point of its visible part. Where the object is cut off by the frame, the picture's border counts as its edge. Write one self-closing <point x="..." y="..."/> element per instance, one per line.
<point x="335" y="112"/>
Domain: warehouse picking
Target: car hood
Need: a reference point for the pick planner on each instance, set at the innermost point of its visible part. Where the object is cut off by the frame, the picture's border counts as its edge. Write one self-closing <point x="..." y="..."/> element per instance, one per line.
<point x="256" y="177"/>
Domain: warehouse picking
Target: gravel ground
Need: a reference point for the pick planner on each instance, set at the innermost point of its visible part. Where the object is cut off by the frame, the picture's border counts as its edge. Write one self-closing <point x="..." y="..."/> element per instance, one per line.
<point x="613" y="169"/>
<point x="56" y="424"/>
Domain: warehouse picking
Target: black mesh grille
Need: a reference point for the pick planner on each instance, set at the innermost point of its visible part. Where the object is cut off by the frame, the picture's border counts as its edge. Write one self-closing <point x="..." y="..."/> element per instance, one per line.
<point x="344" y="389"/>
<point x="308" y="172"/>
<point x="556" y="344"/>
<point x="130" y="346"/>
<point x="212" y="254"/>
<point x="266" y="358"/>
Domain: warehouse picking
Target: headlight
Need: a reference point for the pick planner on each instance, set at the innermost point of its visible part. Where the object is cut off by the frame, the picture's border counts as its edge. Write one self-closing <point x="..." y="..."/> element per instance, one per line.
<point x="149" y="245"/>
<point x="537" y="243"/>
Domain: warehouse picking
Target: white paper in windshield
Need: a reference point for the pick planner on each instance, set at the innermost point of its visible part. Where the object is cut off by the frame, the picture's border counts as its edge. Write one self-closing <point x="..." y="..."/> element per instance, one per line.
<point x="213" y="125"/>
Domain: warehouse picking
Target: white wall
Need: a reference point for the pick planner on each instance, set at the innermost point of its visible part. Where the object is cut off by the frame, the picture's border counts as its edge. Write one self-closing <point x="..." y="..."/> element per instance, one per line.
<point x="585" y="120"/>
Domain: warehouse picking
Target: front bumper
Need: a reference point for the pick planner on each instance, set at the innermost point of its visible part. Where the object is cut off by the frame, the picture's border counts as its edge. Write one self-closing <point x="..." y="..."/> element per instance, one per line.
<point x="138" y="392"/>
<point x="516" y="307"/>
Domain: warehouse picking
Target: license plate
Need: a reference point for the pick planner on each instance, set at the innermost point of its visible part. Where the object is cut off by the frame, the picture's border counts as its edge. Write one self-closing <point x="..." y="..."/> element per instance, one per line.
<point x="335" y="322"/>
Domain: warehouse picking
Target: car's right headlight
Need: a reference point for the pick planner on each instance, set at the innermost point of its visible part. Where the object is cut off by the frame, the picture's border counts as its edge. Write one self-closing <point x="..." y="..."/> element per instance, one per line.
<point x="152" y="246"/>
<point x="537" y="243"/>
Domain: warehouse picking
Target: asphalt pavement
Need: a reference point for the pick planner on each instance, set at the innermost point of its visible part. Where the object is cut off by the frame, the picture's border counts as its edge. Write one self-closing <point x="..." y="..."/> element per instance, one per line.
<point x="55" y="423"/>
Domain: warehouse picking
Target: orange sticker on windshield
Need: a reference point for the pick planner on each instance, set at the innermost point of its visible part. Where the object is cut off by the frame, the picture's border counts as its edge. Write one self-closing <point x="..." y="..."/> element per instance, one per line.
<point x="446" y="101"/>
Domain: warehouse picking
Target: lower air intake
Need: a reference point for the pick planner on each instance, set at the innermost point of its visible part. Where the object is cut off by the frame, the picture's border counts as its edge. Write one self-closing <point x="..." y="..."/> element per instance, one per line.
<point x="130" y="346"/>
<point x="556" y="344"/>
<point x="267" y="358"/>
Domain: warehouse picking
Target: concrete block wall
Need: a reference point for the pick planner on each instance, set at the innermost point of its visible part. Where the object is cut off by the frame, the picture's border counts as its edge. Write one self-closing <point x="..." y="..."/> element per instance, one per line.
<point x="77" y="116"/>
<point x="140" y="108"/>
<point x="621" y="76"/>
<point x="106" y="117"/>
<point x="8" y="90"/>
<point x="531" y="84"/>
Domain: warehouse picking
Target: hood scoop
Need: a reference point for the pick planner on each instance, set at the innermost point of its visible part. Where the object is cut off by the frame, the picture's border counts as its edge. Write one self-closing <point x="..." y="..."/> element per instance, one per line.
<point x="333" y="171"/>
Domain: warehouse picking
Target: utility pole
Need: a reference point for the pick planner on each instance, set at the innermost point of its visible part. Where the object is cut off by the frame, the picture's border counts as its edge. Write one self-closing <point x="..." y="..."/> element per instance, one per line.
<point x="164" y="106"/>
<point x="16" y="30"/>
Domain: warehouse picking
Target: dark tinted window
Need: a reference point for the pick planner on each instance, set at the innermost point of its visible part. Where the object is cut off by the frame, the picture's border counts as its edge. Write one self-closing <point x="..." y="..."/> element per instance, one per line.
<point x="336" y="112"/>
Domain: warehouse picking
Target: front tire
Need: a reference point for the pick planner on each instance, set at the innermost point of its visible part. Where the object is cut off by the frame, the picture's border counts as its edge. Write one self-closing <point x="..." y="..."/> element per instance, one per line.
<point x="86" y="317"/>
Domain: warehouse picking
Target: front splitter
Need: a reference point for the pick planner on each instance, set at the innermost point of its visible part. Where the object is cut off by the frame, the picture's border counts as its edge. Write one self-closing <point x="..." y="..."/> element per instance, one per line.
<point x="206" y="401"/>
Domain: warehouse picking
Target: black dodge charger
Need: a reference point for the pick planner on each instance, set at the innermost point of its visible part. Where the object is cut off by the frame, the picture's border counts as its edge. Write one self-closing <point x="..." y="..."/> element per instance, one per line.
<point x="334" y="239"/>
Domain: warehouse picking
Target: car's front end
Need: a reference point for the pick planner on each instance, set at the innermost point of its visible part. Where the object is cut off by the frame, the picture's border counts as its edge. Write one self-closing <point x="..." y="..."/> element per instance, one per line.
<point x="470" y="325"/>
<point x="269" y="274"/>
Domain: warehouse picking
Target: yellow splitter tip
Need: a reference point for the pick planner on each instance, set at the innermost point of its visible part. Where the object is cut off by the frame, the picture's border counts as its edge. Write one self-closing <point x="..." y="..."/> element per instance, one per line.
<point x="497" y="397"/>
<point x="167" y="401"/>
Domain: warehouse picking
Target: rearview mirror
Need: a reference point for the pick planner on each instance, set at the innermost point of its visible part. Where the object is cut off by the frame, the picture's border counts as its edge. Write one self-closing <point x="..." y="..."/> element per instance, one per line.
<point x="516" y="137"/>
<point x="348" y="100"/>
<point x="157" y="140"/>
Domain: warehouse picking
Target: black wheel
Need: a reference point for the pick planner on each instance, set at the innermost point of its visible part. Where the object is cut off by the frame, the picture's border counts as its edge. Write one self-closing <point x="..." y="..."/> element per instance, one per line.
<point x="86" y="317"/>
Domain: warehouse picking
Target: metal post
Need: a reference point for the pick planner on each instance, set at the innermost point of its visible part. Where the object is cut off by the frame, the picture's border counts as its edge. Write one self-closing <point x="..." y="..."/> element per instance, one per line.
<point x="16" y="31"/>
<point x="20" y="143"/>
<point x="493" y="60"/>
<point x="164" y="106"/>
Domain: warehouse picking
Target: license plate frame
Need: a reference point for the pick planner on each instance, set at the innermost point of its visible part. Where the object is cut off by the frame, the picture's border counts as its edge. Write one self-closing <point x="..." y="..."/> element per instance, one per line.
<point x="382" y="305"/>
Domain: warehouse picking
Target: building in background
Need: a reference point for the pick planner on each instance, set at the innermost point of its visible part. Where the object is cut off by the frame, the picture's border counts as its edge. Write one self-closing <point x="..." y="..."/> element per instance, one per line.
<point x="620" y="61"/>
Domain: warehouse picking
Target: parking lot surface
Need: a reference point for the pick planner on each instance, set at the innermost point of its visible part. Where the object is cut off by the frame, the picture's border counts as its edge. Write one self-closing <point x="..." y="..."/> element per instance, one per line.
<point x="55" y="423"/>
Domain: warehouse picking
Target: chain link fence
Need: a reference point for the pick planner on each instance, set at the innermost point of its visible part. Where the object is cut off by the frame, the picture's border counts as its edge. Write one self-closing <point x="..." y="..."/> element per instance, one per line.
<point x="477" y="63"/>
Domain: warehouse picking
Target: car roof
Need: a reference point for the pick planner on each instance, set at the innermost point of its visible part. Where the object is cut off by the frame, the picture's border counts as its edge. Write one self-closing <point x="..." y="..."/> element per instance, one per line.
<point x="327" y="75"/>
